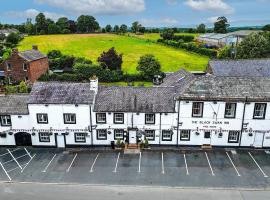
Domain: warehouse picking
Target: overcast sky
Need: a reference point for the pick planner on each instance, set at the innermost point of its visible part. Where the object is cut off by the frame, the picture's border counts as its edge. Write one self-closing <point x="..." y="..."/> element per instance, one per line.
<point x="151" y="13"/>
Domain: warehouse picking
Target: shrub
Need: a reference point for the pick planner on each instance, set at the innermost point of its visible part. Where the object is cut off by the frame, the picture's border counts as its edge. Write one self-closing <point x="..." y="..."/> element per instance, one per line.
<point x="23" y="87"/>
<point x="118" y="143"/>
<point x="10" y="89"/>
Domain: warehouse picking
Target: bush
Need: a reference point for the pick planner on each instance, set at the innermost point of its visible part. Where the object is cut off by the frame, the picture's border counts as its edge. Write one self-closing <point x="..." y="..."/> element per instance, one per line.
<point x="118" y="143"/>
<point x="146" y="143"/>
<point x="10" y="89"/>
<point x="23" y="87"/>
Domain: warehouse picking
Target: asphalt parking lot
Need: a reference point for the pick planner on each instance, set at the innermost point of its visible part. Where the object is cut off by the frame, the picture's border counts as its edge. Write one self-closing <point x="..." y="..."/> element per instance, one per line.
<point x="189" y="168"/>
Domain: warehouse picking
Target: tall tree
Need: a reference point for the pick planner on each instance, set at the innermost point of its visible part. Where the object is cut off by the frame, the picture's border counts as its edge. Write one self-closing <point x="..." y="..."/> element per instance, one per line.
<point x="201" y="28"/>
<point x="136" y="27"/>
<point x="123" y="28"/>
<point x="116" y="29"/>
<point x="108" y="28"/>
<point x="53" y="29"/>
<point x="149" y="66"/>
<point x="221" y="25"/>
<point x="62" y="23"/>
<point x="266" y="27"/>
<point x="111" y="59"/>
<point x="41" y="23"/>
<point x="87" y="24"/>
<point x="29" y="27"/>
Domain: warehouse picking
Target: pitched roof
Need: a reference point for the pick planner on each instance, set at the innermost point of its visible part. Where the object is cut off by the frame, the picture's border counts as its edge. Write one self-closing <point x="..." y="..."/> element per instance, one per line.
<point x="211" y="87"/>
<point x="61" y="93"/>
<point x="180" y="77"/>
<point x="32" y="55"/>
<point x="14" y="104"/>
<point x="135" y="99"/>
<point x="246" y="68"/>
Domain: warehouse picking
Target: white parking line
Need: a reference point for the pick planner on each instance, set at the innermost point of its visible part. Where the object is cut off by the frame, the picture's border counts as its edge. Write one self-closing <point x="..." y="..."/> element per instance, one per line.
<point x="238" y="174"/>
<point x="21" y="156"/>
<point x="10" y="151"/>
<point x="186" y="164"/>
<point x="72" y="162"/>
<point x="49" y="163"/>
<point x="213" y="174"/>
<point x="116" y="164"/>
<point x="14" y="159"/>
<point x="162" y="163"/>
<point x="32" y="157"/>
<point x="92" y="167"/>
<point x="28" y="153"/>
<point x="140" y="159"/>
<point x="257" y="165"/>
<point x="5" y="171"/>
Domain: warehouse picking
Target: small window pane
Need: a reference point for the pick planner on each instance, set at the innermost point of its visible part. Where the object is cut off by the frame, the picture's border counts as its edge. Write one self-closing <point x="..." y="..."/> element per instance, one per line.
<point x="149" y="118"/>
<point x="102" y="134"/>
<point x="197" y="109"/>
<point x="119" y="134"/>
<point x="230" y="109"/>
<point x="118" y="118"/>
<point x="233" y="136"/>
<point x="80" y="137"/>
<point x="259" y="111"/>
<point x="44" y="137"/>
<point x="5" y="120"/>
<point x="185" y="135"/>
<point x="101" y="117"/>
<point x="70" y="118"/>
<point x="167" y="135"/>
<point x="150" y="135"/>
<point x="42" y="118"/>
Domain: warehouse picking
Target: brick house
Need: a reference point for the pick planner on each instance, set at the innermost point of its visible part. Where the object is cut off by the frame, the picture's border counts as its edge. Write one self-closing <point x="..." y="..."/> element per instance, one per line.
<point x="25" y="65"/>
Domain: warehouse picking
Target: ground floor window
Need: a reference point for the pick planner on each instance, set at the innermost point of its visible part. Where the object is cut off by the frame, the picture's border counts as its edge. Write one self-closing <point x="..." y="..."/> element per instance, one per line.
<point x="150" y="135"/>
<point x="119" y="134"/>
<point x="102" y="134"/>
<point x="185" y="135"/>
<point x="44" y="137"/>
<point x="166" y="135"/>
<point x="80" y="137"/>
<point x="233" y="136"/>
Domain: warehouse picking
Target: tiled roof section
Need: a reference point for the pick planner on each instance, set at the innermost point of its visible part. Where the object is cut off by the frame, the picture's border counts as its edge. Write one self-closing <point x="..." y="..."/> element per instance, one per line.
<point x="245" y="68"/>
<point x="61" y="93"/>
<point x="32" y="55"/>
<point x="14" y="104"/>
<point x="180" y="77"/>
<point x="228" y="88"/>
<point x="135" y="99"/>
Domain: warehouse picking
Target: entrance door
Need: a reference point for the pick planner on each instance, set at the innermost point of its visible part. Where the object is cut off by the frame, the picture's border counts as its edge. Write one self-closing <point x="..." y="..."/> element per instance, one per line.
<point x="60" y="141"/>
<point x="132" y="136"/>
<point x="23" y="139"/>
<point x="258" y="140"/>
<point x="207" y="137"/>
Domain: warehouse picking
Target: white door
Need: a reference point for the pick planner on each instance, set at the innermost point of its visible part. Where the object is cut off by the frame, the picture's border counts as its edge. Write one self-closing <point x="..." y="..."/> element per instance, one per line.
<point x="60" y="141"/>
<point x="132" y="137"/>
<point x="258" y="140"/>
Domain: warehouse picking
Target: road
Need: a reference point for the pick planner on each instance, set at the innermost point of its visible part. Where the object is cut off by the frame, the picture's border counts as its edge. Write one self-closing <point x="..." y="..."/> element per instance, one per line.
<point x="40" y="191"/>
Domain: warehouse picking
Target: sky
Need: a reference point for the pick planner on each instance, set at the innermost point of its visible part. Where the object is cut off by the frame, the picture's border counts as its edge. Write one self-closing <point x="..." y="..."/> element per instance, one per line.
<point x="150" y="13"/>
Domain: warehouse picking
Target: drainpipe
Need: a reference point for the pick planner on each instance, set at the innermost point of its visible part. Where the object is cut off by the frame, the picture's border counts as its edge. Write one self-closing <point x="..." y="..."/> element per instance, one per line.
<point x="243" y="120"/>
<point x="178" y="118"/>
<point x="91" y="126"/>
<point x="160" y="133"/>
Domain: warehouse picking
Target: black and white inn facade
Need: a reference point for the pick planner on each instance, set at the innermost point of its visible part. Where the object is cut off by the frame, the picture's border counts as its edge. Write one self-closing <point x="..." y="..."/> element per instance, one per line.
<point x="185" y="110"/>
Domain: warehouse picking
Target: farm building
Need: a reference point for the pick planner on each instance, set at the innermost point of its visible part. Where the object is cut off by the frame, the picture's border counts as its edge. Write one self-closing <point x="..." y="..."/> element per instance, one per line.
<point x="185" y="110"/>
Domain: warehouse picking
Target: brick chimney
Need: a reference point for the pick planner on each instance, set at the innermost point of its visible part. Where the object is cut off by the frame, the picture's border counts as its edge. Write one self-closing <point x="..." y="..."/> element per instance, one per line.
<point x="15" y="51"/>
<point x="94" y="83"/>
<point x="35" y="47"/>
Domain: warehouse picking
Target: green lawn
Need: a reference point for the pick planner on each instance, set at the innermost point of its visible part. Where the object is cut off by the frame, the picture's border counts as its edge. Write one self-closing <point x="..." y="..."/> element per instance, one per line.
<point x="156" y="36"/>
<point x="92" y="45"/>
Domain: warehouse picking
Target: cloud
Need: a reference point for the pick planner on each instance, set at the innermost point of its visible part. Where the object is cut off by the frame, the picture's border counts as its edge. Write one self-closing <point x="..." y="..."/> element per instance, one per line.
<point x="210" y="5"/>
<point x="32" y="13"/>
<point x="109" y="7"/>
<point x="159" y="22"/>
<point x="172" y="2"/>
<point x="212" y="19"/>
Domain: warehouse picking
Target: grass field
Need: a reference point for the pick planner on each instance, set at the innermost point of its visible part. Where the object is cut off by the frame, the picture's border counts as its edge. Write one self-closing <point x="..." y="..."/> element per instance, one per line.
<point x="92" y="45"/>
<point x="156" y="36"/>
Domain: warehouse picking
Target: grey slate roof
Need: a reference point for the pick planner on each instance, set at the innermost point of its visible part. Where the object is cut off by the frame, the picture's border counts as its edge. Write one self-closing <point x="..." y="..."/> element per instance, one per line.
<point x="228" y="88"/>
<point x="180" y="77"/>
<point x="14" y="104"/>
<point x="135" y="99"/>
<point x="61" y="93"/>
<point x="31" y="55"/>
<point x="245" y="68"/>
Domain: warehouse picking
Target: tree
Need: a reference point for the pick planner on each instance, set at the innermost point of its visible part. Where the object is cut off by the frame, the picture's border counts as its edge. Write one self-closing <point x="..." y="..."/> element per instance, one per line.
<point x="111" y="60"/>
<point x="23" y="87"/>
<point x="13" y="39"/>
<point x="41" y="23"/>
<point x="62" y="23"/>
<point x="123" y="28"/>
<point x="29" y="27"/>
<point x="201" y="28"/>
<point x="116" y="29"/>
<point x="148" y="66"/>
<point x="255" y="45"/>
<point x="221" y="25"/>
<point x="266" y="27"/>
<point x="108" y="28"/>
<point x="136" y="27"/>
<point x="168" y="34"/>
<point x="87" y="24"/>
<point x="225" y="53"/>
<point x="53" y="29"/>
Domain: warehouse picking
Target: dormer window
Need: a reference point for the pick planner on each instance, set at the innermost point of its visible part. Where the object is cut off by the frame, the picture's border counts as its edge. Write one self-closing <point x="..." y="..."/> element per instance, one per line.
<point x="24" y="67"/>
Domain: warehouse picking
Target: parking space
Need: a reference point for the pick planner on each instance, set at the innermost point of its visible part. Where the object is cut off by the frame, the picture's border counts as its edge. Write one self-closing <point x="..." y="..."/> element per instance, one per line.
<point x="212" y="168"/>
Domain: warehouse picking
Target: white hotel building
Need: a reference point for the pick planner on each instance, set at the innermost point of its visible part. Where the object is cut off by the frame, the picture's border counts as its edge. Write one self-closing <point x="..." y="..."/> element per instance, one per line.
<point x="218" y="109"/>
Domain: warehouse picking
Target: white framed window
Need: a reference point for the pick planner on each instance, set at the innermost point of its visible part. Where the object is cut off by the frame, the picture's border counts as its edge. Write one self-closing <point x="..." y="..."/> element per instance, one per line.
<point x="9" y="66"/>
<point x="44" y="137"/>
<point x="80" y="137"/>
<point x="233" y="136"/>
<point x="101" y="118"/>
<point x="118" y="118"/>
<point x="185" y="135"/>
<point x="70" y="118"/>
<point x="118" y="134"/>
<point x="42" y="118"/>
<point x="150" y="135"/>
<point x="149" y="118"/>
<point x="166" y="135"/>
<point x="5" y="120"/>
<point x="101" y="134"/>
<point x="24" y="67"/>
<point x="230" y="110"/>
<point x="259" y="111"/>
<point x="197" y="109"/>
